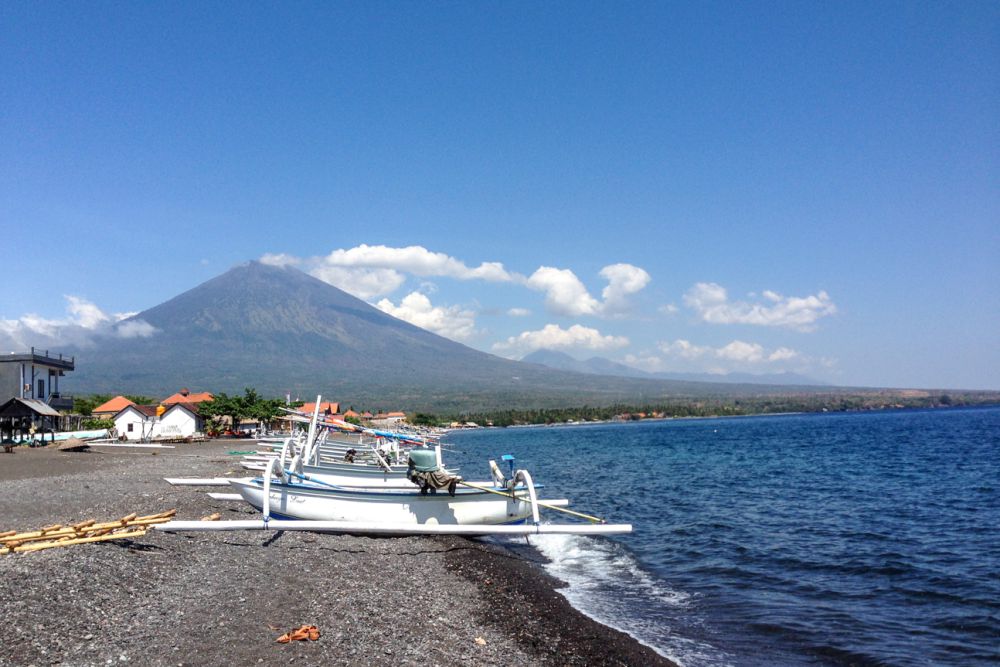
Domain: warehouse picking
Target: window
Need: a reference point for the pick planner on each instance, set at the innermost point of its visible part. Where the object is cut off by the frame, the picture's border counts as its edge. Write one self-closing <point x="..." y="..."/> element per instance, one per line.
<point x="41" y="389"/>
<point x="129" y="429"/>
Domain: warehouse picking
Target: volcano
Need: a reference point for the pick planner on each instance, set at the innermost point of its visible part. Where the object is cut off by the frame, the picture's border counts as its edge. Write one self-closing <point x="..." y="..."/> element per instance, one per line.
<point x="282" y="331"/>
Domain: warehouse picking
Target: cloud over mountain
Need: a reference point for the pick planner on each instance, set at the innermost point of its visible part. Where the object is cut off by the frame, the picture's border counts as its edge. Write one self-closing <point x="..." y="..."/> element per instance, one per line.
<point x="451" y="322"/>
<point x="370" y="271"/>
<point x="711" y="303"/>
<point x="554" y="337"/>
<point x="84" y="322"/>
<point x="565" y="293"/>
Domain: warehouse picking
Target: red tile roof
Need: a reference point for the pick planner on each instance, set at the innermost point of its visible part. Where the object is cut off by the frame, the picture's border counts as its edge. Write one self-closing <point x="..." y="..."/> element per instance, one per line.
<point x="114" y="406"/>
<point x="180" y="397"/>
<point x="326" y="407"/>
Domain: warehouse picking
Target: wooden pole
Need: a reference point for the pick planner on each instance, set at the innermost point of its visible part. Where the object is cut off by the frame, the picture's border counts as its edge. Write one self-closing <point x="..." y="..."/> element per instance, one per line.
<point x="80" y="540"/>
<point x="84" y="528"/>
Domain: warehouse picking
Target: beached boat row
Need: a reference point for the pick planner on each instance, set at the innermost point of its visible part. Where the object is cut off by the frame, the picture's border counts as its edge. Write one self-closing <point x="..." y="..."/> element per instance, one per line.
<point x="385" y="483"/>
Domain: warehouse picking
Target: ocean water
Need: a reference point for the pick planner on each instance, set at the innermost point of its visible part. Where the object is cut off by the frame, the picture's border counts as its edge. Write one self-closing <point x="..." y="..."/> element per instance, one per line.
<point x="854" y="538"/>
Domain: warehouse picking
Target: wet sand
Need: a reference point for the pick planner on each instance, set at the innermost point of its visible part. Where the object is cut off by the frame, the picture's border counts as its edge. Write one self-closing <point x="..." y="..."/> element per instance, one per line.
<point x="223" y="598"/>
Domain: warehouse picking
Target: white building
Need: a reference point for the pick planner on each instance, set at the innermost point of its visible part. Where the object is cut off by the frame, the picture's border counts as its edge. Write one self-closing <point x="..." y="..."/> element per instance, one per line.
<point x="180" y="421"/>
<point x="140" y="422"/>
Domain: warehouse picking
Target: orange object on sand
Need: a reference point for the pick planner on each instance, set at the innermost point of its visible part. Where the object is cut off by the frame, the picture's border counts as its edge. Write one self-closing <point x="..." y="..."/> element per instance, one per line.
<point x="302" y="633"/>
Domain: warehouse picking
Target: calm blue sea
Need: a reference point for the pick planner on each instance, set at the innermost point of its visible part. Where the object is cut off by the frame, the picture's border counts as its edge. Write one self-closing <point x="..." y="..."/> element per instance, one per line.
<point x="859" y="538"/>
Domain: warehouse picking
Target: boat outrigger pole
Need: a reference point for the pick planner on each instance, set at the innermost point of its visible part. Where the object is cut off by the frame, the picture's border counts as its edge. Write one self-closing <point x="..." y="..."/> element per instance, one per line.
<point x="540" y="503"/>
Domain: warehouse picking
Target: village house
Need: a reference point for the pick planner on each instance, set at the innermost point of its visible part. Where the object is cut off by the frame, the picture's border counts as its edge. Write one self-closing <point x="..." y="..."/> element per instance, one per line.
<point x="388" y="419"/>
<point x="149" y="422"/>
<point x="35" y="375"/>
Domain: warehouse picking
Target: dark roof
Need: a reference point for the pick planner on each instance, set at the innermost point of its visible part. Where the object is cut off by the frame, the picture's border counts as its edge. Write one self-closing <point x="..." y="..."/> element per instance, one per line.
<point x="190" y="407"/>
<point x="26" y="407"/>
<point x="145" y="410"/>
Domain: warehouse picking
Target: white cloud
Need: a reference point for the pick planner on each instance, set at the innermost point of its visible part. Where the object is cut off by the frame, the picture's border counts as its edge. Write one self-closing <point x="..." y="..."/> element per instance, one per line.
<point x="451" y="322"/>
<point x="280" y="259"/>
<point x="737" y="355"/>
<point x="519" y="312"/>
<point x="416" y="260"/>
<point x="378" y="270"/>
<point x="623" y="281"/>
<point x="684" y="349"/>
<point x="711" y="302"/>
<point x="362" y="283"/>
<point x="135" y="329"/>
<point x="783" y="354"/>
<point x="371" y="271"/>
<point x="554" y="337"/>
<point x="86" y="314"/>
<point x="669" y="309"/>
<point x="84" y="322"/>
<point x="739" y="351"/>
<point x="565" y="294"/>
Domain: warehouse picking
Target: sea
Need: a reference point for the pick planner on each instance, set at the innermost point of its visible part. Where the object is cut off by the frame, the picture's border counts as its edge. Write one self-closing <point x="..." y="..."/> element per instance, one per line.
<point x="863" y="538"/>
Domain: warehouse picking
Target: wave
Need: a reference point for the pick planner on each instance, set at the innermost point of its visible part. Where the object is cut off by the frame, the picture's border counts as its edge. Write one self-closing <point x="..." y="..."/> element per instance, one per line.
<point x="605" y="582"/>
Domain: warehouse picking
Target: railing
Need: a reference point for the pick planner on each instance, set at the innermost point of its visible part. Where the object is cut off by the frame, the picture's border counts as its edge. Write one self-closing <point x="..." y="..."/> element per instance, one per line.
<point x="37" y="352"/>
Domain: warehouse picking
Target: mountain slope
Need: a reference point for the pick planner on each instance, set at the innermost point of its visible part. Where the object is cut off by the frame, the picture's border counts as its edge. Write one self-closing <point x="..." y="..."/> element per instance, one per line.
<point x="281" y="330"/>
<point x="602" y="366"/>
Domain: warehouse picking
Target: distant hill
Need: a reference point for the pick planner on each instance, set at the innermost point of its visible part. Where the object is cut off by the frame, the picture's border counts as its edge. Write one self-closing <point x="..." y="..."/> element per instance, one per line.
<point x="602" y="366"/>
<point x="280" y="330"/>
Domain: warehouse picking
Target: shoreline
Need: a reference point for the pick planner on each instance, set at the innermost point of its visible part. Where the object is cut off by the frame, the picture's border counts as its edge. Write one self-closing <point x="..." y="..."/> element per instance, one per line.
<point x="223" y="598"/>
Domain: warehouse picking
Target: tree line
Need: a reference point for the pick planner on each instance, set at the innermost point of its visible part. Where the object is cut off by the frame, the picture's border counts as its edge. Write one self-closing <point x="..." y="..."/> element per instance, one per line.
<point x="710" y="407"/>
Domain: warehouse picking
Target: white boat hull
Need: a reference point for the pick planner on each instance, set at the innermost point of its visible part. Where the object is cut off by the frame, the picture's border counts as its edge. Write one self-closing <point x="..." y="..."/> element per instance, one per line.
<point x="389" y="505"/>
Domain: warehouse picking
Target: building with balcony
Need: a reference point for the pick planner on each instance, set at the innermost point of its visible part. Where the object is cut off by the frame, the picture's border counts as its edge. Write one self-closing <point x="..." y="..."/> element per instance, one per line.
<point x="35" y="375"/>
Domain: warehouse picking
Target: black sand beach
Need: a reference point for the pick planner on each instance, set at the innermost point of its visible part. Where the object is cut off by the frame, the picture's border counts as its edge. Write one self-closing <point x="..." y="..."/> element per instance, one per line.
<point x="223" y="598"/>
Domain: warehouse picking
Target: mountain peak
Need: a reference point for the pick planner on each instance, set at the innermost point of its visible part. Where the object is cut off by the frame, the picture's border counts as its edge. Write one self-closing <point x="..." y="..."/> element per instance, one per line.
<point x="281" y="330"/>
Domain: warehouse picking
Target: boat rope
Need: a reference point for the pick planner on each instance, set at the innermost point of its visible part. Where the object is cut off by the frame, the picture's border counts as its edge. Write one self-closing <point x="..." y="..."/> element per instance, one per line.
<point x="313" y="480"/>
<point x="581" y="515"/>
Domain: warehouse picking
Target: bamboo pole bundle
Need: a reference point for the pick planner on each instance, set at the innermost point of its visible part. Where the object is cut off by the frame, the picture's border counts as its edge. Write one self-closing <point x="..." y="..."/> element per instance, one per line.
<point x="83" y="532"/>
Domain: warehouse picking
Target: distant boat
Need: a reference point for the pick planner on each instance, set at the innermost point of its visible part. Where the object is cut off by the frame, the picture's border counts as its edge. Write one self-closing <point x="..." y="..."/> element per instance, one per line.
<point x="93" y="434"/>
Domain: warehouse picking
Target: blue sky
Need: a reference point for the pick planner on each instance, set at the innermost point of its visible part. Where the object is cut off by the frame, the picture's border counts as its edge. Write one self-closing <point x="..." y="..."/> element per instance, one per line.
<point x="760" y="187"/>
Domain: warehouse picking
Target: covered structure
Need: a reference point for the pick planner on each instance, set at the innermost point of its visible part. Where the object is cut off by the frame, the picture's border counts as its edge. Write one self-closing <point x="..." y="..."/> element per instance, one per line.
<point x="22" y="418"/>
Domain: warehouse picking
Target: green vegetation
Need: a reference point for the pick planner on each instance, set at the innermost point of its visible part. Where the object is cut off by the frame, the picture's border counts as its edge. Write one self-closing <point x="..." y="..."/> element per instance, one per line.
<point x="424" y="419"/>
<point x="250" y="405"/>
<point x="715" y="407"/>
<point x="93" y="424"/>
